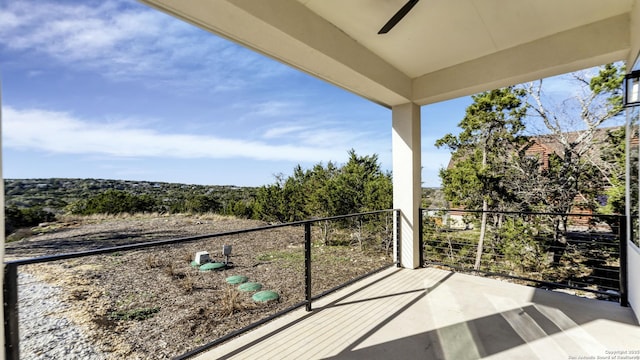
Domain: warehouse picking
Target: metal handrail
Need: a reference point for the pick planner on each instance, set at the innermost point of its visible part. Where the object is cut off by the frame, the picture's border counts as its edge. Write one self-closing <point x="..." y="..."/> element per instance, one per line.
<point x="10" y="288"/>
<point x="149" y="244"/>
<point x="523" y="212"/>
<point x="622" y="249"/>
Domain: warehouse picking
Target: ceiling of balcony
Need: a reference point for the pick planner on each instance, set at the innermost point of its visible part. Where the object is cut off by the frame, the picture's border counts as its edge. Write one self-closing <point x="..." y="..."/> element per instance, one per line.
<point x="440" y="50"/>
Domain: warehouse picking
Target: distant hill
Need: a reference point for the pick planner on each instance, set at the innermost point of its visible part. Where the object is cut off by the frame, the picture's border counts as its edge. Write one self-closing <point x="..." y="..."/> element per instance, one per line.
<point x="56" y="193"/>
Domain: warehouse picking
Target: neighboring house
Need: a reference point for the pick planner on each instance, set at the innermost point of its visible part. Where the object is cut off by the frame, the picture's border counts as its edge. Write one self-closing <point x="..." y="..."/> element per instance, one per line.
<point x="543" y="146"/>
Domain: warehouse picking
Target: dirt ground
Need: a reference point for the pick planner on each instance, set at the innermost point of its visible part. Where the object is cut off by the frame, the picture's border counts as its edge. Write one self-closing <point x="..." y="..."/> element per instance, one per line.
<point x="153" y="304"/>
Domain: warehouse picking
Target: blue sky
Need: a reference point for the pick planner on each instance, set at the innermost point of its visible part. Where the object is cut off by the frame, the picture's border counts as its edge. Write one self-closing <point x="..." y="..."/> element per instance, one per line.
<point x="117" y="90"/>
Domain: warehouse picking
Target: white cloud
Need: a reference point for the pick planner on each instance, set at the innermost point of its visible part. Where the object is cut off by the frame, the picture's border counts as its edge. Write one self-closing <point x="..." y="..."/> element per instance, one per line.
<point x="278" y="132"/>
<point x="125" y="41"/>
<point x="60" y="132"/>
<point x="322" y="133"/>
<point x="274" y="108"/>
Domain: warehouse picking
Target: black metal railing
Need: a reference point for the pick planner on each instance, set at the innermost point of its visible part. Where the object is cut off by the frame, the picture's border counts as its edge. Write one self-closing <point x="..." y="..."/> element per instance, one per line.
<point x="371" y="232"/>
<point x="583" y="252"/>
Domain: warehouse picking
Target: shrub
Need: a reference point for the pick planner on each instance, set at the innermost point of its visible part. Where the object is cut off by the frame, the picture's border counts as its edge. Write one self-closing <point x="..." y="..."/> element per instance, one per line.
<point x="520" y="247"/>
<point x="113" y="202"/>
<point x="16" y="218"/>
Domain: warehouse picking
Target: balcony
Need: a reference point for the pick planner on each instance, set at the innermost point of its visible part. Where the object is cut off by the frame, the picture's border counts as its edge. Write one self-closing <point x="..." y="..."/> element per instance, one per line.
<point x="429" y="312"/>
<point x="436" y="314"/>
<point x="458" y="317"/>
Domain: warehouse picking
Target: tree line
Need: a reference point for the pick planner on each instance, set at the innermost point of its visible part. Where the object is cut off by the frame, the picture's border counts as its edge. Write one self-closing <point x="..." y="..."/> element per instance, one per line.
<point x="324" y="190"/>
<point x="357" y="186"/>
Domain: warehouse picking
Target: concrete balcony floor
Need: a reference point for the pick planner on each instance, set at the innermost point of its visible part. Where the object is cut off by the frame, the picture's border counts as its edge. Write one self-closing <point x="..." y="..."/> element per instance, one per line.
<point x="436" y="314"/>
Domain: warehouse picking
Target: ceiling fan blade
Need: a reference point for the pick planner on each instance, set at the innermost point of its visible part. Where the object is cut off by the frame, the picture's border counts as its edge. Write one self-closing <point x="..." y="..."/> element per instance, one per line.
<point x="395" y="19"/>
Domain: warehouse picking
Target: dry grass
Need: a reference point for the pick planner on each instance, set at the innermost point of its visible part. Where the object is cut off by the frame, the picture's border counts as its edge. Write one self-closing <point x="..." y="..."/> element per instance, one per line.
<point x="20" y="234"/>
<point x="193" y="307"/>
<point x="108" y="217"/>
<point x="186" y="256"/>
<point x="213" y="217"/>
<point x="188" y="284"/>
<point x="153" y="262"/>
<point x="231" y="302"/>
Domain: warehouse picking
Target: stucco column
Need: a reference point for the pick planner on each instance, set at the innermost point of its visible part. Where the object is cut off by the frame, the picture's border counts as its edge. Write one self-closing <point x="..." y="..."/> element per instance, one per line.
<point x="407" y="185"/>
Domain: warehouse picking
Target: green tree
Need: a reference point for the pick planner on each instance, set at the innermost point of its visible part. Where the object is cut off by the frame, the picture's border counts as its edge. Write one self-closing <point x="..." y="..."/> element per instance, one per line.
<point x="322" y="191"/>
<point x="323" y="196"/>
<point x="285" y="200"/>
<point x="239" y="208"/>
<point x="199" y="203"/>
<point x="295" y="195"/>
<point x="491" y="131"/>
<point x="270" y="201"/>
<point x="359" y="175"/>
<point x="113" y="202"/>
<point x="614" y="158"/>
<point x="362" y="187"/>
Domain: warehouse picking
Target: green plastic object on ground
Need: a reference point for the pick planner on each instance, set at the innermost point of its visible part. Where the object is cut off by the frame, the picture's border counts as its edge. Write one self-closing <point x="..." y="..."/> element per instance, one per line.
<point x="250" y="286"/>
<point x="194" y="264"/>
<point x="265" y="296"/>
<point x="237" y="279"/>
<point x="211" y="266"/>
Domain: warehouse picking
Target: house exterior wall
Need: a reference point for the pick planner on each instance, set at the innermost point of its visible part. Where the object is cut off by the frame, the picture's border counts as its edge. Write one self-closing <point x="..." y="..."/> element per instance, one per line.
<point x="540" y="150"/>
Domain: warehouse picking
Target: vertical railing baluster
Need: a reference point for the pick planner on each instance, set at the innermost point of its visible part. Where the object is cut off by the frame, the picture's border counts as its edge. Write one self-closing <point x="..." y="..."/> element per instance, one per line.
<point x="10" y="293"/>
<point x="398" y="240"/>
<point x="307" y="263"/>
<point x="624" y="301"/>
<point x="421" y="237"/>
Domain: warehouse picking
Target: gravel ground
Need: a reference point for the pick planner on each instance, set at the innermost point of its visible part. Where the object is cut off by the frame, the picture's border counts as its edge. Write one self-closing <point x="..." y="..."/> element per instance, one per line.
<point x="45" y="330"/>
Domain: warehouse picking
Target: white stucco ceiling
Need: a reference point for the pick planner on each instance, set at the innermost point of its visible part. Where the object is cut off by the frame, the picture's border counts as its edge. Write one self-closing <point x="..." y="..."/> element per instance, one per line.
<point x="442" y="49"/>
<point x="440" y="33"/>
